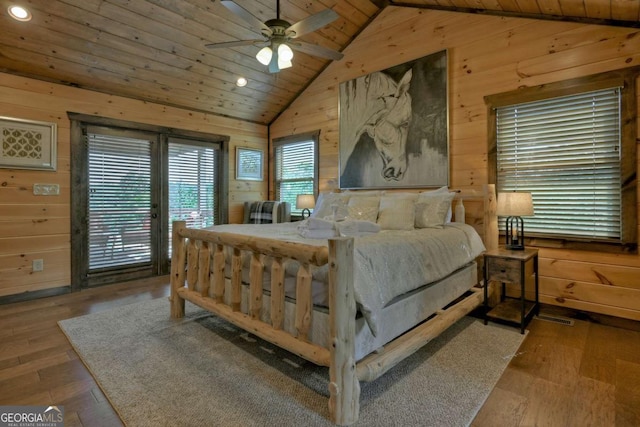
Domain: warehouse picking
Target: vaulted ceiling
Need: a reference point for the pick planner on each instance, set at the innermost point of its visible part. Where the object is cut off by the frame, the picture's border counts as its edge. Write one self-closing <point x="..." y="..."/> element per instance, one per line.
<point x="154" y="50"/>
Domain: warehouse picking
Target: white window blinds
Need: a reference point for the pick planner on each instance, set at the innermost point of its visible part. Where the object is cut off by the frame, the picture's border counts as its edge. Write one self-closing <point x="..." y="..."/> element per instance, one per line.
<point x="119" y="201"/>
<point x="295" y="170"/>
<point x="566" y="152"/>
<point x="193" y="185"/>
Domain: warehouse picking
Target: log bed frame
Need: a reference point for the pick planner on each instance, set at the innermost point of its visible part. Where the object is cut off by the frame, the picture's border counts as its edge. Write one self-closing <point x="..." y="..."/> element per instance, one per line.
<point x="197" y="275"/>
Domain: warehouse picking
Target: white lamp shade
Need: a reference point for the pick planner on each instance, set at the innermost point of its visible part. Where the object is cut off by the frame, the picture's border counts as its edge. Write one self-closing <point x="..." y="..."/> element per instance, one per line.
<point x="284" y="64"/>
<point x="515" y="204"/>
<point x="264" y="56"/>
<point x="285" y="53"/>
<point x="305" y="201"/>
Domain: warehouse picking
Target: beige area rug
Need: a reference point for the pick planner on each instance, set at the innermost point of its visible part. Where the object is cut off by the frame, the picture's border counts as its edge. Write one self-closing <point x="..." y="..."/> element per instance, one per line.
<point x="202" y="371"/>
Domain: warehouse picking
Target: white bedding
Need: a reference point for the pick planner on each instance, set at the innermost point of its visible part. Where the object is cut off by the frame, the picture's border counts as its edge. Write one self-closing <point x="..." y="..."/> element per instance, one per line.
<point x="389" y="263"/>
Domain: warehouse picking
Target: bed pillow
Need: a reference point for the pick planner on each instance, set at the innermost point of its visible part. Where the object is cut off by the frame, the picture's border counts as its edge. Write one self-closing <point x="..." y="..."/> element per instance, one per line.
<point x="440" y="190"/>
<point x="363" y="207"/>
<point x="432" y="210"/>
<point x="397" y="211"/>
<point x="325" y="202"/>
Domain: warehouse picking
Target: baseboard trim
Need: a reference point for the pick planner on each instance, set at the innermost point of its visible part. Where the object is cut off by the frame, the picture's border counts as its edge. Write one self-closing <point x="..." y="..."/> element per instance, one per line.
<point x="32" y="295"/>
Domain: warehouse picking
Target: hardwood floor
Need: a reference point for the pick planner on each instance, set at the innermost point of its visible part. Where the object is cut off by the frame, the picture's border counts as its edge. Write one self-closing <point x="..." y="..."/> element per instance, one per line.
<point x="38" y="366"/>
<point x="582" y="375"/>
<point x="587" y="374"/>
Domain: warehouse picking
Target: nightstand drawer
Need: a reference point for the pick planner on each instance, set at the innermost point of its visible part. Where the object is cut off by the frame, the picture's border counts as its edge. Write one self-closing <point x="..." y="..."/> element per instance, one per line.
<point x="504" y="270"/>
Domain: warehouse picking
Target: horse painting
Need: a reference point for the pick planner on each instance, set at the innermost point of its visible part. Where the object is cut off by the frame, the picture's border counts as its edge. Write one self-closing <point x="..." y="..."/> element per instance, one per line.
<point x="380" y="108"/>
<point x="393" y="126"/>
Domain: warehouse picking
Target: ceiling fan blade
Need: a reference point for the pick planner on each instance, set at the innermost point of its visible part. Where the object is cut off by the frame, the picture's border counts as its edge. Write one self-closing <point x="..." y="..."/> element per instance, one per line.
<point x="233" y="44"/>
<point x="311" y="23"/>
<point x="242" y="13"/>
<point x="315" y="50"/>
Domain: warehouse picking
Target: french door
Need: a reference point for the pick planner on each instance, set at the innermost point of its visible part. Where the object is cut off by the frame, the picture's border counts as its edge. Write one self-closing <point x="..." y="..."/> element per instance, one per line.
<point x="123" y="209"/>
<point x="131" y="185"/>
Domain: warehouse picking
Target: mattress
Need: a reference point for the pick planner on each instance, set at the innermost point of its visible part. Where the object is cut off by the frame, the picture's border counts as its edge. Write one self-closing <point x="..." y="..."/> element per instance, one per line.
<point x="386" y="264"/>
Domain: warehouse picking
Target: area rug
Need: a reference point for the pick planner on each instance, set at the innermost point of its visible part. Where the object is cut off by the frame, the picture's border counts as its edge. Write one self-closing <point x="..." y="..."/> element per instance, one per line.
<point x="203" y="371"/>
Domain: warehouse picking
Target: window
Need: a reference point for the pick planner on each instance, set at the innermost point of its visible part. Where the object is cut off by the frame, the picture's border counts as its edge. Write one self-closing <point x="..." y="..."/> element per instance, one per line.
<point x="296" y="168"/>
<point x="193" y="184"/>
<point x="568" y="148"/>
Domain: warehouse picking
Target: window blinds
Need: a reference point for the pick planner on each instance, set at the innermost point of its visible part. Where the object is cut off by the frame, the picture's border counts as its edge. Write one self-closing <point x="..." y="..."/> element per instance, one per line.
<point x="193" y="195"/>
<point x="119" y="201"/>
<point x="294" y="171"/>
<point x="566" y="152"/>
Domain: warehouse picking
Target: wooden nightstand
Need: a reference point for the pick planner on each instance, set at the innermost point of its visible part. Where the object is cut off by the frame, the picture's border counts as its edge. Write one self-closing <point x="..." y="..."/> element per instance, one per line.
<point x="509" y="266"/>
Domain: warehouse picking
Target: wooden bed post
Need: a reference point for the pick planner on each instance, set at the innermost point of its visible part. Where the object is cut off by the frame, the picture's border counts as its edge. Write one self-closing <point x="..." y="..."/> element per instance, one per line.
<point x="491" y="232"/>
<point x="490" y="217"/>
<point x="344" y="388"/>
<point x="178" y="255"/>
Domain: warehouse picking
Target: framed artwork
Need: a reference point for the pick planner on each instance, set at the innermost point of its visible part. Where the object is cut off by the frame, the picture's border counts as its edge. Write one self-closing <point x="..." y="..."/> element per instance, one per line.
<point x="249" y="164"/>
<point x="394" y="126"/>
<point x="27" y="144"/>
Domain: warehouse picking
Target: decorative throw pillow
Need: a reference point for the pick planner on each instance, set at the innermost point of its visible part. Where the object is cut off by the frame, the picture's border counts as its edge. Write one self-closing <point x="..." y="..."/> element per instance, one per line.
<point x="363" y="207"/>
<point x="397" y="212"/>
<point x="440" y="190"/>
<point x="326" y="202"/>
<point x="431" y="210"/>
<point x="364" y="213"/>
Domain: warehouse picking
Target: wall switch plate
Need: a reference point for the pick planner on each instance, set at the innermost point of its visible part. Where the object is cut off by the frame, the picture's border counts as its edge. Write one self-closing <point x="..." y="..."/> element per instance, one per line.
<point x="46" y="189"/>
<point x="37" y="265"/>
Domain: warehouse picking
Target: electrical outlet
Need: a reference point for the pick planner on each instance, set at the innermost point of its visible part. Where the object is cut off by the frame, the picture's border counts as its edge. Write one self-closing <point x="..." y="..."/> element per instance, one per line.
<point x="38" y="265"/>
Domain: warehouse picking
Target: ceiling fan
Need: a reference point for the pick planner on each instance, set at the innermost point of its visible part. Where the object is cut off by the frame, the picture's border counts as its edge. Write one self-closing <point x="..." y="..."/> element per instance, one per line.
<point x="279" y="37"/>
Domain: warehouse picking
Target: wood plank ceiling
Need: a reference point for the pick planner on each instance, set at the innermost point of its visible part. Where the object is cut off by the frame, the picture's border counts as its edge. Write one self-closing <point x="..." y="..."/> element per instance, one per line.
<point x="154" y="50"/>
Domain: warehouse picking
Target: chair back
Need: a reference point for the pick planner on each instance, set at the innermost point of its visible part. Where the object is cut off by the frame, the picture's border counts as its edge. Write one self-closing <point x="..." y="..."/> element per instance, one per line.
<point x="266" y="212"/>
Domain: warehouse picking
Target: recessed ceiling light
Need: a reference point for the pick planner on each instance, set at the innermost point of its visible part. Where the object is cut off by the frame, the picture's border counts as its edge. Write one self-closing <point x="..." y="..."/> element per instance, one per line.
<point x="241" y="82"/>
<point x="19" y="13"/>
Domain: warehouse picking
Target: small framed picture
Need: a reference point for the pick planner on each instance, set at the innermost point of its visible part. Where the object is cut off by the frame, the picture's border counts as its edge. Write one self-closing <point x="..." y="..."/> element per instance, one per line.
<point x="249" y="164"/>
<point x="27" y="144"/>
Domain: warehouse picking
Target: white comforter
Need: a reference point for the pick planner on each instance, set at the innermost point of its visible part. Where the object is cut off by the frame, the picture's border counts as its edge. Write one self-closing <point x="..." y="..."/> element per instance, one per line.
<point x="389" y="263"/>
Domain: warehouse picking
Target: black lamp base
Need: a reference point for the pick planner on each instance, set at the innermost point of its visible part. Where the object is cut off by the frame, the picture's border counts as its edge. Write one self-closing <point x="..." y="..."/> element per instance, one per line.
<point x="514" y="233"/>
<point x="308" y="213"/>
<point x="515" y="247"/>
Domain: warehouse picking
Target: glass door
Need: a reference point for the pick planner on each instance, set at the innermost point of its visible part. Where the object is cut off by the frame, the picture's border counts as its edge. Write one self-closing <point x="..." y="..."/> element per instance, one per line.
<point x="128" y="186"/>
<point x="122" y="206"/>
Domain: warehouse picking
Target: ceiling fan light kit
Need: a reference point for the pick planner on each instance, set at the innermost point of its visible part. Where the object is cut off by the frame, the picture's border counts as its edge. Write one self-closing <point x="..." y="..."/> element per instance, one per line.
<point x="278" y="33"/>
<point x="284" y="56"/>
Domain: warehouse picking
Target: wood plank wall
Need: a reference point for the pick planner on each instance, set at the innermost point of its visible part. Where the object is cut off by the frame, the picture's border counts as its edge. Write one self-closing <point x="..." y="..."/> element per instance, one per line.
<point x="33" y="227"/>
<point x="487" y="55"/>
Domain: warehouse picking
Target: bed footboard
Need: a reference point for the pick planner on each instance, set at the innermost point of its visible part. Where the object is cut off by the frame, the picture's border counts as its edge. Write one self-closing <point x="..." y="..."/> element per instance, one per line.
<point x="198" y="275"/>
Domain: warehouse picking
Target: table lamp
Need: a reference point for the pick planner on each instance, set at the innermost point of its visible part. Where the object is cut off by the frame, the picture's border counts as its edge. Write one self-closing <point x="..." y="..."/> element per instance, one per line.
<point x="305" y="202"/>
<point x="514" y="205"/>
